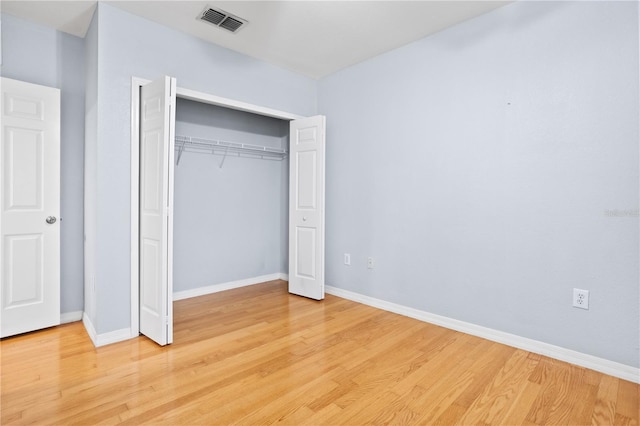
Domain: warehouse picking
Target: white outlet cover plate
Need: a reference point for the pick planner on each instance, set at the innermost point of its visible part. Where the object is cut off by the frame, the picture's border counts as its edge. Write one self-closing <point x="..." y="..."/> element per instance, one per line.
<point x="580" y="298"/>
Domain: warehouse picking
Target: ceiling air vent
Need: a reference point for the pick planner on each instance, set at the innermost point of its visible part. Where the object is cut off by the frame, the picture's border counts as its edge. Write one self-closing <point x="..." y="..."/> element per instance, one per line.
<point x="222" y="19"/>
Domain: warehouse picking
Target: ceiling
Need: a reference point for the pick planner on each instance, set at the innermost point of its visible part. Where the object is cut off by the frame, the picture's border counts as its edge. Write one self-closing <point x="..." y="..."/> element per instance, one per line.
<point x="314" y="38"/>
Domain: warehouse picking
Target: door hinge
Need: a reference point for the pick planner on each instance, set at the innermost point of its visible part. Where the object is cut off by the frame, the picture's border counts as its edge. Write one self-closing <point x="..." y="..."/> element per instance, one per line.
<point x="166" y="320"/>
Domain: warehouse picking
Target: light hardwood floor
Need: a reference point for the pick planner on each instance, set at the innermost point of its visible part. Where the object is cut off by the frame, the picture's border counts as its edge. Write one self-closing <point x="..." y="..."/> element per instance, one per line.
<point x="257" y="355"/>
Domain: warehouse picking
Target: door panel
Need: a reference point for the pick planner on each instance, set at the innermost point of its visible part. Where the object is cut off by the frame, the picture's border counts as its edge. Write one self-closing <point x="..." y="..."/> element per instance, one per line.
<point x="157" y="117"/>
<point x="24" y="166"/>
<point x="307" y="185"/>
<point x="306" y="241"/>
<point x="23" y="106"/>
<point x="24" y="270"/>
<point x="306" y="207"/>
<point x="30" y="186"/>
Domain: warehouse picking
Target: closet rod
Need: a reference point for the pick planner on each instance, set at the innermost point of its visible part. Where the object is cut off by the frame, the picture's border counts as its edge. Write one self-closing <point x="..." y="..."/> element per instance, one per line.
<point x="219" y="147"/>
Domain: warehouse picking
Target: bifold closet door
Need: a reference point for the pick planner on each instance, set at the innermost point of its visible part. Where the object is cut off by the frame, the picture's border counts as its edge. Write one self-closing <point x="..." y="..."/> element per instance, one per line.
<point x="157" y="121"/>
<point x="30" y="213"/>
<point x="306" y="207"/>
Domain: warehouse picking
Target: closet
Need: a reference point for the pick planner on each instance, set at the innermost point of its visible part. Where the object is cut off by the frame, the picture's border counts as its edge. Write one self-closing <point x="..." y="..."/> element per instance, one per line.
<point x="221" y="191"/>
<point x="231" y="194"/>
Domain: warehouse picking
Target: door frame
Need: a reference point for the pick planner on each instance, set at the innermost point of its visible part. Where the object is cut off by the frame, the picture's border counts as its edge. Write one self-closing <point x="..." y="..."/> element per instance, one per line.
<point x="182" y="93"/>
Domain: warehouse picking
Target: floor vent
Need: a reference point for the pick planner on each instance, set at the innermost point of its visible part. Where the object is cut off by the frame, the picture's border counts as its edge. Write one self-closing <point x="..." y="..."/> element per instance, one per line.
<point x="222" y="19"/>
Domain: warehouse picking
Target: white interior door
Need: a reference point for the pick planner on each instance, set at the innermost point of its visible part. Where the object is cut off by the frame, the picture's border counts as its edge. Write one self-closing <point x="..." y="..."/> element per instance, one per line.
<point x="306" y="207"/>
<point x="29" y="218"/>
<point x="157" y="118"/>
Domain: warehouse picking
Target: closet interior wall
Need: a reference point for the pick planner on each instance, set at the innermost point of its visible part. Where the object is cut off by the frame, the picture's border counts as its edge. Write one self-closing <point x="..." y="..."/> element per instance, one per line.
<point x="230" y="213"/>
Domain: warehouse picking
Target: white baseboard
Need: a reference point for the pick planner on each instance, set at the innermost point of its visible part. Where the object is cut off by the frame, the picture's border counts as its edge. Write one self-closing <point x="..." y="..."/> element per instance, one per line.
<point x="91" y="330"/>
<point x="105" y="338"/>
<point x="70" y="317"/>
<point x="201" y="291"/>
<point x="602" y="365"/>
<point x="113" y="337"/>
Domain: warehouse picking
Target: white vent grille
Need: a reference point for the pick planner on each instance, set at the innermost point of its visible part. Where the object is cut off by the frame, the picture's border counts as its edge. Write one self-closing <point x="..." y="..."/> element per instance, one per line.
<point x="222" y="19"/>
<point x="213" y="16"/>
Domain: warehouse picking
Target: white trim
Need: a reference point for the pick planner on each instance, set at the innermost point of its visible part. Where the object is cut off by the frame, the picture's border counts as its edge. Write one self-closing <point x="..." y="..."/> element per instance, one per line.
<point x="136" y="83"/>
<point x="207" y="98"/>
<point x="105" y="338"/>
<point x="170" y="177"/>
<point x="602" y="365"/>
<point x="201" y="291"/>
<point x="68" y="317"/>
<point x="113" y="337"/>
<point x="91" y="330"/>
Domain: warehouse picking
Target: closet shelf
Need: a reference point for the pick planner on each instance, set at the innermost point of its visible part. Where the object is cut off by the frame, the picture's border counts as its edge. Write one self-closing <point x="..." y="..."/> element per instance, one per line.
<point x="218" y="147"/>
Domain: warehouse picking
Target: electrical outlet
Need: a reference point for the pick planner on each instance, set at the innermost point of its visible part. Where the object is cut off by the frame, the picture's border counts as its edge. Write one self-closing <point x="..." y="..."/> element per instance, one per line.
<point x="347" y="259"/>
<point x="580" y="298"/>
<point x="370" y="262"/>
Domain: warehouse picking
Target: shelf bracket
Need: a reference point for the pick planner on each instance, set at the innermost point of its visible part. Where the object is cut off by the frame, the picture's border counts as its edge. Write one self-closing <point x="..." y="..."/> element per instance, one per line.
<point x="179" y="154"/>
<point x="224" y="157"/>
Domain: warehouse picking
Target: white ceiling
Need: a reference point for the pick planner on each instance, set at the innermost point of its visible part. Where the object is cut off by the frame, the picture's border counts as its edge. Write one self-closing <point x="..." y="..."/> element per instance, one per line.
<point x="314" y="38"/>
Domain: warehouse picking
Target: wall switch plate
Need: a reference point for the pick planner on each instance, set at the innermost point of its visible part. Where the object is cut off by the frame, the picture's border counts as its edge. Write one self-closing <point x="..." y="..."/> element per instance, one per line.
<point x="347" y="259"/>
<point x="370" y="262"/>
<point x="580" y="298"/>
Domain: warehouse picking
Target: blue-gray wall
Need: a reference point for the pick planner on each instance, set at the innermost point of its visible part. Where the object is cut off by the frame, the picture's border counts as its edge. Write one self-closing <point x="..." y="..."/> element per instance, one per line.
<point x="131" y="46"/>
<point x="40" y="55"/>
<point x="477" y="167"/>
<point x="228" y="221"/>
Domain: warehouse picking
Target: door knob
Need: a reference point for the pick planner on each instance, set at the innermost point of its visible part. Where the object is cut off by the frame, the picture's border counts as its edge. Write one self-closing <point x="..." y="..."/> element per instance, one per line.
<point x="304" y="218"/>
<point x="51" y="220"/>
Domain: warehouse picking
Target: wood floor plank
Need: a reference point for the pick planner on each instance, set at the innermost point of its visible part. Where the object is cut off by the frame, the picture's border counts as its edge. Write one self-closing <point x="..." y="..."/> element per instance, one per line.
<point x="582" y="410"/>
<point x="398" y="411"/>
<point x="518" y="411"/>
<point x="320" y="417"/>
<point x="437" y="397"/>
<point x="258" y="355"/>
<point x="567" y="395"/>
<point x="604" y="412"/>
<point x="484" y="367"/>
<point x="493" y="404"/>
<point x="627" y="401"/>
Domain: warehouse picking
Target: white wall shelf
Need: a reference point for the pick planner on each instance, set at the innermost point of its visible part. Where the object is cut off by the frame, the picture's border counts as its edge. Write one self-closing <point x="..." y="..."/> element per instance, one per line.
<point x="224" y="148"/>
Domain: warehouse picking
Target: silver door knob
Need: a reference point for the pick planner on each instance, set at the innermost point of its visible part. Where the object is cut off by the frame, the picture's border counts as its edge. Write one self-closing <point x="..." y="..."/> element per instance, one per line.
<point x="304" y="218"/>
<point x="51" y="220"/>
